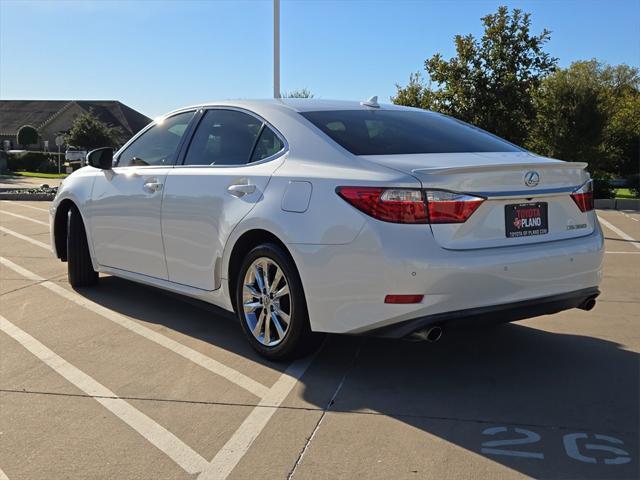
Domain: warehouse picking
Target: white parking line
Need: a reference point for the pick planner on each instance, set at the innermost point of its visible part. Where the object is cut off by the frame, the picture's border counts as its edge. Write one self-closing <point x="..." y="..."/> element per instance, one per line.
<point x="33" y="241"/>
<point x="39" y="222"/>
<point x="154" y="433"/>
<point x="241" y="380"/>
<point x="620" y="233"/>
<point x="271" y="398"/>
<point x="25" y="206"/>
<point x="630" y="217"/>
<point x="232" y="452"/>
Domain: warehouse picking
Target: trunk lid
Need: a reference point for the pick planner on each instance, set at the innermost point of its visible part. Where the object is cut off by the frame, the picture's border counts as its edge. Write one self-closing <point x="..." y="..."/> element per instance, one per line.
<point x="508" y="184"/>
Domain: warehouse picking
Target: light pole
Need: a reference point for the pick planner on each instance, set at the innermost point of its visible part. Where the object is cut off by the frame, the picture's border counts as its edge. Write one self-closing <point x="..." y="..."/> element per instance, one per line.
<point x="276" y="48"/>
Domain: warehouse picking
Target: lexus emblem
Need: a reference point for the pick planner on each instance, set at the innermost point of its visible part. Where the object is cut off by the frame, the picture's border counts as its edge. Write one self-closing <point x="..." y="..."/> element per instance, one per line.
<point x="532" y="178"/>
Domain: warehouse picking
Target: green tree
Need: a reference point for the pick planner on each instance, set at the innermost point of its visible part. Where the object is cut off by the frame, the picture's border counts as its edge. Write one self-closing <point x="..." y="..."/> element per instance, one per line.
<point x="88" y="132"/>
<point x="415" y="94"/>
<point x="590" y="112"/>
<point x="491" y="81"/>
<point x="27" y="135"/>
<point x="301" y="93"/>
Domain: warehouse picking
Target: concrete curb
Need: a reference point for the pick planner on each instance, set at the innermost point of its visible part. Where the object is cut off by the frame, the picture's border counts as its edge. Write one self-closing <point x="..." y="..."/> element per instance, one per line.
<point x="617" y="204"/>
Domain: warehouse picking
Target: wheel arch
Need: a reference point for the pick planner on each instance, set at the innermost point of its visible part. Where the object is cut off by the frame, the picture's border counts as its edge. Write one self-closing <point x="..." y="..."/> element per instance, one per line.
<point x="244" y="244"/>
<point x="60" y="227"/>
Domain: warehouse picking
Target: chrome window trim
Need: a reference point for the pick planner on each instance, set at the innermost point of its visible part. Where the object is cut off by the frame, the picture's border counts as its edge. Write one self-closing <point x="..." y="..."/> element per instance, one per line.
<point x="280" y="153"/>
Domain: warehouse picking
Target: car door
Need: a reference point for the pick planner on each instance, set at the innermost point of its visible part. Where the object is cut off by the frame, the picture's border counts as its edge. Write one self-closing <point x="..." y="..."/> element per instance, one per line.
<point x="126" y="201"/>
<point x="225" y="170"/>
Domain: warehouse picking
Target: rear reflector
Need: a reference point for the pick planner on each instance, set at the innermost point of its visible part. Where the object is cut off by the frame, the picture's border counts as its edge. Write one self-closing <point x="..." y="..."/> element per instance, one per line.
<point x="403" y="298"/>
<point x="451" y="207"/>
<point x="583" y="196"/>
<point x="396" y="205"/>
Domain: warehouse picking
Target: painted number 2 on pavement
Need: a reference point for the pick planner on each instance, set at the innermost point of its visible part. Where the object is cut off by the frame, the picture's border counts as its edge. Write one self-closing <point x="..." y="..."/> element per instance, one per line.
<point x="579" y="446"/>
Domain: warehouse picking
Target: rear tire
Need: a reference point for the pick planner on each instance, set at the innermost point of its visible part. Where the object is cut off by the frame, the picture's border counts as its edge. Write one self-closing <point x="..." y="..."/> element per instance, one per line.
<point x="289" y="335"/>
<point x="80" y="270"/>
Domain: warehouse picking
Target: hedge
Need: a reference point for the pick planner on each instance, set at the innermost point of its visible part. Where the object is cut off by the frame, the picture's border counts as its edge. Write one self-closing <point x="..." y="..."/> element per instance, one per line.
<point x="44" y="162"/>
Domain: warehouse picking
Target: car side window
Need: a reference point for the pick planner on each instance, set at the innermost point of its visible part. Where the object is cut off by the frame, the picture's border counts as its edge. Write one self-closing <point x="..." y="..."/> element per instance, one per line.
<point x="268" y="144"/>
<point x="158" y="145"/>
<point x="223" y="137"/>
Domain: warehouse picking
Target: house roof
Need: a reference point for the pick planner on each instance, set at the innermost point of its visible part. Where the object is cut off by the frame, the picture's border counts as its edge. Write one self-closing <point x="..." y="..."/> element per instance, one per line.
<point x="38" y="113"/>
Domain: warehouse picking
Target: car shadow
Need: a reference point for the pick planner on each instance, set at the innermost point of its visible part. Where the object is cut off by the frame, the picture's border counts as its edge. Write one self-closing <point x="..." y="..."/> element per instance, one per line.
<point x="540" y="397"/>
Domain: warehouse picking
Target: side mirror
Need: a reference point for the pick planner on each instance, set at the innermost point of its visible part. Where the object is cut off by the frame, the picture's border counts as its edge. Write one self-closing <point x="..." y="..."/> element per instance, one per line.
<point x="101" y="158"/>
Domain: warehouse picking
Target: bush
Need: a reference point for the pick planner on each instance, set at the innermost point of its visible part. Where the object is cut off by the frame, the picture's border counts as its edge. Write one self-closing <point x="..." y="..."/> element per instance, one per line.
<point x="49" y="165"/>
<point x="3" y="161"/>
<point x="633" y="182"/>
<point x="29" y="161"/>
<point x="602" y="187"/>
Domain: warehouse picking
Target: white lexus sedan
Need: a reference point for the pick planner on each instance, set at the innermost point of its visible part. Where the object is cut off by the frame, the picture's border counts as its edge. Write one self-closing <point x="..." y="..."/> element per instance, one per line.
<point x="309" y="216"/>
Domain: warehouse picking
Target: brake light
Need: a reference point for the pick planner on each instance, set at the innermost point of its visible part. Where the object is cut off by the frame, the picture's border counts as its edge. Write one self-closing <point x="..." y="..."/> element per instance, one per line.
<point x="583" y="196"/>
<point x="396" y="205"/>
<point x="451" y="207"/>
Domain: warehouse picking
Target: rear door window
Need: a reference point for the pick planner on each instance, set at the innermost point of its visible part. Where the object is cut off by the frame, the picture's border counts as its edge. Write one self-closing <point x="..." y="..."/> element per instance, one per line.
<point x="223" y="137"/>
<point x="268" y="144"/>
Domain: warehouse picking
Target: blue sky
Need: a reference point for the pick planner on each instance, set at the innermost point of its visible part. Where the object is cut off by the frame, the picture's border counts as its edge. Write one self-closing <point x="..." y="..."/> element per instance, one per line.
<point x="159" y="55"/>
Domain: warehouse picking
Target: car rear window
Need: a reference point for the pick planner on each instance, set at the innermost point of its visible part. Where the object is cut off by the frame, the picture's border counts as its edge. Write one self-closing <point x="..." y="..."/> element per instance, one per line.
<point x="393" y="132"/>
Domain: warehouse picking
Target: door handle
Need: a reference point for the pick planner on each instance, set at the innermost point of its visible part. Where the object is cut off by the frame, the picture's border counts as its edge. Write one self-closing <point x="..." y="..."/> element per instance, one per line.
<point x="152" y="185"/>
<point x="241" y="190"/>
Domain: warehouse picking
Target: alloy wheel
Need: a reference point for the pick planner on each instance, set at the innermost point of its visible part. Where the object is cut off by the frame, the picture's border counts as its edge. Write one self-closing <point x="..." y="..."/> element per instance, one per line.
<point x="266" y="301"/>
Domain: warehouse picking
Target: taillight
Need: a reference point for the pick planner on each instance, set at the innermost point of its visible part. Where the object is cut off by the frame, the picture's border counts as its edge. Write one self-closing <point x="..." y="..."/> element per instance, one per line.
<point x="583" y="196"/>
<point x="396" y="205"/>
<point x="451" y="207"/>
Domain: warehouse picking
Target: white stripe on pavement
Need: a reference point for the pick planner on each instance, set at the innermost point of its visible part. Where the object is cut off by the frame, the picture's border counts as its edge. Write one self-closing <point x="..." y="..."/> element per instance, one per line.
<point x="33" y="241"/>
<point x="232" y="452"/>
<point x="271" y="398"/>
<point x="196" y="357"/>
<point x="13" y="202"/>
<point x="39" y="222"/>
<point x="154" y="433"/>
<point x="3" y="476"/>
<point x="620" y="233"/>
<point x="630" y="217"/>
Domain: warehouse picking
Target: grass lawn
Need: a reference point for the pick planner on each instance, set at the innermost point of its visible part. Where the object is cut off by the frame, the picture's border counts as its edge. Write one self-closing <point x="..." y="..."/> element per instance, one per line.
<point x="40" y="175"/>
<point x="624" y="193"/>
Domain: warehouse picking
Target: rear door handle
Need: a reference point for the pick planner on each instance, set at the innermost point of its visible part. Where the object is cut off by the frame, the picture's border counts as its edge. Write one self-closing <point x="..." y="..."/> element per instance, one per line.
<point x="241" y="190"/>
<point x="152" y="185"/>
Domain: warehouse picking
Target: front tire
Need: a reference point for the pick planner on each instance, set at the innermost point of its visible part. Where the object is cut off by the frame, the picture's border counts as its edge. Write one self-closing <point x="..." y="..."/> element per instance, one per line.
<point x="80" y="270"/>
<point x="271" y="305"/>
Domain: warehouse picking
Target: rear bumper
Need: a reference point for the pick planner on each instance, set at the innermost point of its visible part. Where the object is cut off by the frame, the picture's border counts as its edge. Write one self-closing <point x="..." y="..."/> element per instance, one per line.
<point x="346" y="284"/>
<point x="495" y="314"/>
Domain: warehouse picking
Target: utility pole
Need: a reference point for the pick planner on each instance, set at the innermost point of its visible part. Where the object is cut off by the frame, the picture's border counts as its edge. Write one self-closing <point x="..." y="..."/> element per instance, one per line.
<point x="276" y="48"/>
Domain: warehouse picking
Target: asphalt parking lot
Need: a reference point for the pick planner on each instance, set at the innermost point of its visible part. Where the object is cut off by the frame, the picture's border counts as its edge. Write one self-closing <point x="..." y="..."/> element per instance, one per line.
<point x="126" y="381"/>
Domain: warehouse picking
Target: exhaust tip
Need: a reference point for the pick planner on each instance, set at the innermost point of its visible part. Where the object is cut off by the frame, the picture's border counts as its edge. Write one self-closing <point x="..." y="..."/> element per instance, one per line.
<point x="434" y="334"/>
<point x="588" y="304"/>
<point x="431" y="334"/>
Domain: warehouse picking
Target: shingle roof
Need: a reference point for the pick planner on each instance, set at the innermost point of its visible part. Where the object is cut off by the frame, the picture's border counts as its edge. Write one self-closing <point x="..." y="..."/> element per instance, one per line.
<point x="16" y="113"/>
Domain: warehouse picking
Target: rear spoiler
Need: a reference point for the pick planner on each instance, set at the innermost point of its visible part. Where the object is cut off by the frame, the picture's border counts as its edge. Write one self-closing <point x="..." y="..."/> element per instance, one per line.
<point x="501" y="167"/>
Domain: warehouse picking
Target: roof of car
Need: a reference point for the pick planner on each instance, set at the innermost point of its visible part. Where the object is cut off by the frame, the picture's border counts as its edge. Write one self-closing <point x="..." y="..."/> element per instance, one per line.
<point x="312" y="104"/>
<point x="300" y="104"/>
